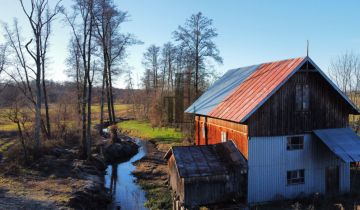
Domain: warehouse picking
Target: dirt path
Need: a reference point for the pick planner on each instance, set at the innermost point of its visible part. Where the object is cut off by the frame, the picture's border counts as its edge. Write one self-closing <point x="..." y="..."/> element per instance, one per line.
<point x="16" y="193"/>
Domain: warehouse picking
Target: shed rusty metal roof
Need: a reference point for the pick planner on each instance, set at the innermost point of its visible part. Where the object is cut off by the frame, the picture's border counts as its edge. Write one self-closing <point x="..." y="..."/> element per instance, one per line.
<point x="207" y="160"/>
<point x="240" y="92"/>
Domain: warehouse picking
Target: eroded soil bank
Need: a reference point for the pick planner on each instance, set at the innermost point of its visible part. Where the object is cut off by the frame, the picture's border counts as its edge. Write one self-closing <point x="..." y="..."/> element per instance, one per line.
<point x="58" y="180"/>
<point x="151" y="174"/>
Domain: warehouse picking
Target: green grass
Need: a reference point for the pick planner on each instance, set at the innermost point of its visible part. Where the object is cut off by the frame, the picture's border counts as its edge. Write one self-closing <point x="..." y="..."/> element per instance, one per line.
<point x="144" y="130"/>
<point x="4" y="147"/>
<point x="118" y="107"/>
<point x="158" y="197"/>
<point x="6" y="125"/>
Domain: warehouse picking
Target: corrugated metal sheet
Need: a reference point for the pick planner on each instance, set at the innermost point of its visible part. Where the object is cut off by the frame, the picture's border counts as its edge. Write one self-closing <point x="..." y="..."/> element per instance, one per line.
<point x="269" y="161"/>
<point x="204" y="175"/>
<point x="257" y="87"/>
<point x="220" y="89"/>
<point x="343" y="142"/>
<point x="240" y="92"/>
<point x="207" y="160"/>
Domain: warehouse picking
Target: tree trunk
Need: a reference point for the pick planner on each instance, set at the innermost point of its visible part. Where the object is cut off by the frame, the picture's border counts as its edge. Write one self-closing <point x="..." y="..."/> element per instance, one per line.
<point x="47" y="117"/>
<point x="89" y="97"/>
<point x="88" y="129"/>
<point x="38" y="99"/>
<point x="83" y="118"/>
<point x="102" y="99"/>
<point x="108" y="98"/>
<point x="21" y="136"/>
<point x="79" y="95"/>
<point x="196" y="76"/>
<point x="111" y="96"/>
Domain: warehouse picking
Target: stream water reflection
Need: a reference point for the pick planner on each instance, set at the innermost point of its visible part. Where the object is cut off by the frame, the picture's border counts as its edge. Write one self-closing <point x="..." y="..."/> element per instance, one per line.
<point x="119" y="180"/>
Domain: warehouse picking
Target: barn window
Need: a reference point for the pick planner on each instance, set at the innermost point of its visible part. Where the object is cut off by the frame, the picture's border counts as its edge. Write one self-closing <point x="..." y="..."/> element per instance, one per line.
<point x="302" y="97"/>
<point x="295" y="142"/>
<point x="296" y="177"/>
<point x="223" y="136"/>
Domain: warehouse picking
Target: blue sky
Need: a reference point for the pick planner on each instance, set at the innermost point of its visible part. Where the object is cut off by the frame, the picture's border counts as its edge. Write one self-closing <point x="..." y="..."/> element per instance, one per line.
<point x="250" y="32"/>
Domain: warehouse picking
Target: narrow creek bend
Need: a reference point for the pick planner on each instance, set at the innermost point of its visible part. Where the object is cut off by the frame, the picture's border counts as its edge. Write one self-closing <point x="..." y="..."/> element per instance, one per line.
<point x="126" y="193"/>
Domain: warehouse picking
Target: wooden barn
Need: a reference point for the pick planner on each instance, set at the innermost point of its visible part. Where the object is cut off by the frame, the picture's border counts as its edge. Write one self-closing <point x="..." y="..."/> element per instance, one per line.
<point x="289" y="121"/>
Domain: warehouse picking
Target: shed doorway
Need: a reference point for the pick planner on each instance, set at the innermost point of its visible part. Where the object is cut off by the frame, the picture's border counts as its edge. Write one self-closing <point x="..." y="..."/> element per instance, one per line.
<point x="332" y="180"/>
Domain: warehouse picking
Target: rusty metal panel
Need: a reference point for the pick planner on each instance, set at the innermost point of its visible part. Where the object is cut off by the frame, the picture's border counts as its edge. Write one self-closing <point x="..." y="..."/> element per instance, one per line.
<point x="207" y="160"/>
<point x="255" y="89"/>
<point x="220" y="89"/>
<point x="209" y="174"/>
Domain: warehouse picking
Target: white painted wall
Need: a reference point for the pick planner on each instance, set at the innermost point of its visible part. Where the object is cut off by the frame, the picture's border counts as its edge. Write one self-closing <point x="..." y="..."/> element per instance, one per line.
<point x="269" y="161"/>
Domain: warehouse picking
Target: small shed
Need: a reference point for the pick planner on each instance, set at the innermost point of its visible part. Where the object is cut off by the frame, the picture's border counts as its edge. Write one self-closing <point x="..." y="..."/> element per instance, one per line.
<point x="206" y="175"/>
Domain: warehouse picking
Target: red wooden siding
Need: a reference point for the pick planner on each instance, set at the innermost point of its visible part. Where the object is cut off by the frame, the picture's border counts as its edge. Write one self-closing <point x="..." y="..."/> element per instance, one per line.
<point x="236" y="132"/>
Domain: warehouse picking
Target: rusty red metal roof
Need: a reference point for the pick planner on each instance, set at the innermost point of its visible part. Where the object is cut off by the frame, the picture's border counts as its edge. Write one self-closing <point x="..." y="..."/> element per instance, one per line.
<point x="257" y="87"/>
<point x="240" y="92"/>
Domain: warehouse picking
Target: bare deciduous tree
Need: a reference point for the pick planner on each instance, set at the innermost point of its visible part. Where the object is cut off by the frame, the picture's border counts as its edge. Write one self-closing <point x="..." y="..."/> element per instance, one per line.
<point x="345" y="71"/>
<point x="3" y="49"/>
<point x="82" y="24"/>
<point x="151" y="61"/>
<point x="113" y="45"/>
<point x="39" y="17"/>
<point x="168" y="62"/>
<point x="197" y="37"/>
<point x="75" y="71"/>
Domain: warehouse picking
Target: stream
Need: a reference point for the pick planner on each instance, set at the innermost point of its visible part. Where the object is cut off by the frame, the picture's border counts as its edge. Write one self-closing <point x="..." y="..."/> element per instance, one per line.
<point x="126" y="193"/>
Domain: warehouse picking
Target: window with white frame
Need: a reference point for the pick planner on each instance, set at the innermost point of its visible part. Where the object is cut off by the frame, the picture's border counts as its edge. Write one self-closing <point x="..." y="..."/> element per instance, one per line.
<point x="296" y="177"/>
<point x="295" y="142"/>
<point x="223" y="136"/>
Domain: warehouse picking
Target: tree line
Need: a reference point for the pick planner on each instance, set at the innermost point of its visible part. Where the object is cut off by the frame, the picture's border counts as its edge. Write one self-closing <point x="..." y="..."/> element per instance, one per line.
<point x="182" y="63"/>
<point x="97" y="49"/>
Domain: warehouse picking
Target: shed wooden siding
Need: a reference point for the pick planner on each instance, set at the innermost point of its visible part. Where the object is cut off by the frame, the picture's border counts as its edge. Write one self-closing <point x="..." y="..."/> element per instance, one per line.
<point x="236" y="132"/>
<point x="175" y="181"/>
<point x="278" y="115"/>
<point x="269" y="161"/>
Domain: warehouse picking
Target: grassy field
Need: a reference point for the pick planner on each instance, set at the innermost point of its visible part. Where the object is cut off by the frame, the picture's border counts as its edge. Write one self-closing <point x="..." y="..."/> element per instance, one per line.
<point x="144" y="131"/>
<point x="120" y="110"/>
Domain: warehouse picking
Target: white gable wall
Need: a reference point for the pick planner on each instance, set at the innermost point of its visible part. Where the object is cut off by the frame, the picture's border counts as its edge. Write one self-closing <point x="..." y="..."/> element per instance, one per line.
<point x="269" y="161"/>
